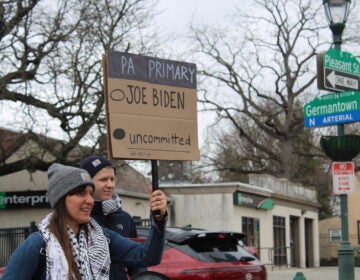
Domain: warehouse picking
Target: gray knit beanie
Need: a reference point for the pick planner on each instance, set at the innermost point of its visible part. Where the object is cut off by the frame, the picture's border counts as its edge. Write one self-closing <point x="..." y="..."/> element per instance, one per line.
<point x="63" y="179"/>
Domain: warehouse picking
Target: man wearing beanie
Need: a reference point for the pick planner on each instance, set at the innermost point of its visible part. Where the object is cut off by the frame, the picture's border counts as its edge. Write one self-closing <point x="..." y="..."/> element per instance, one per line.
<point x="107" y="209"/>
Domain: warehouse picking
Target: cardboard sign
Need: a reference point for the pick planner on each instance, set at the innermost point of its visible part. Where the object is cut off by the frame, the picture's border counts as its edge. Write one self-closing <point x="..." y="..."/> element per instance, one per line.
<point x="151" y="107"/>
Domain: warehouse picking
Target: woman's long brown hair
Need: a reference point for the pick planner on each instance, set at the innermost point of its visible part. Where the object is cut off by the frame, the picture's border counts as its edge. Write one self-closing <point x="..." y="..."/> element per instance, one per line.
<point x="58" y="227"/>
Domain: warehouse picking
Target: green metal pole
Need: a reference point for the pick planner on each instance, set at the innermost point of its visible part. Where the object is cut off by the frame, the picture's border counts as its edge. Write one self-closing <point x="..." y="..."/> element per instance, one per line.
<point x="345" y="251"/>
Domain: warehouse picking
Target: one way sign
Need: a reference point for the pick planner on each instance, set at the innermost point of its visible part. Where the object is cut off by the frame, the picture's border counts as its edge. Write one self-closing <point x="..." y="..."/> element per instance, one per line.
<point x="340" y="81"/>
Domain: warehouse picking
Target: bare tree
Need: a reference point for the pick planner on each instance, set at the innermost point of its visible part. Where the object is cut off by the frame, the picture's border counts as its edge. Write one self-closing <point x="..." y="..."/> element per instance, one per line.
<point x="262" y="74"/>
<point x="256" y="77"/>
<point x="51" y="72"/>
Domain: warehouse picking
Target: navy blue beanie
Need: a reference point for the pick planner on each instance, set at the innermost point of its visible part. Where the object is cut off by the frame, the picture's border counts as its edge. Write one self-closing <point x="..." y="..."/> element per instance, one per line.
<point x="93" y="164"/>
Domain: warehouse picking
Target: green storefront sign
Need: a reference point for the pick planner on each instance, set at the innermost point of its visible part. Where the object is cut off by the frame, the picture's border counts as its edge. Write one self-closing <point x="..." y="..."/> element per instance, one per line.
<point x="27" y="199"/>
<point x="253" y="200"/>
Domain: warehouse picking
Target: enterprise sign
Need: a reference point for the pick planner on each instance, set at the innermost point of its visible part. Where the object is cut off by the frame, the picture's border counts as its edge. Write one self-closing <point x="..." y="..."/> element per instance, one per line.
<point x="253" y="200"/>
<point x="29" y="199"/>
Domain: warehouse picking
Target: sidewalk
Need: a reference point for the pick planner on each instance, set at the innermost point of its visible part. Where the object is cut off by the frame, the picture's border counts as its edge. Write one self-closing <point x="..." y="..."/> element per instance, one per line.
<point x="318" y="273"/>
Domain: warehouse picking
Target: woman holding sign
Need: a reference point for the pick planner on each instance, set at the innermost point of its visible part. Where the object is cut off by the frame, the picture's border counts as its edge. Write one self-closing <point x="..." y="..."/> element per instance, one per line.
<point x="71" y="245"/>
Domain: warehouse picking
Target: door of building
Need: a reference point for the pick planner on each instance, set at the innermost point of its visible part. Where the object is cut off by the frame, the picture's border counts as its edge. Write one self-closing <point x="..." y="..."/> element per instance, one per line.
<point x="294" y="241"/>
<point x="279" y="233"/>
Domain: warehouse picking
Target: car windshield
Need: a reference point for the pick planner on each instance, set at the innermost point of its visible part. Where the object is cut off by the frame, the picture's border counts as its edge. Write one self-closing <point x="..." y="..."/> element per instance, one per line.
<point x="216" y="249"/>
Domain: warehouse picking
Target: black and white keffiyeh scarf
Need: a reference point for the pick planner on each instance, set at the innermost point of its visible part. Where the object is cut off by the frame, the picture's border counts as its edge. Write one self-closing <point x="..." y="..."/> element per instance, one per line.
<point x="111" y="205"/>
<point x="91" y="253"/>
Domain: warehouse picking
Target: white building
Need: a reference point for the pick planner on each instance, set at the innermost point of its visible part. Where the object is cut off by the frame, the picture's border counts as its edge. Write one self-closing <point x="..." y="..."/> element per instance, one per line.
<point x="279" y="218"/>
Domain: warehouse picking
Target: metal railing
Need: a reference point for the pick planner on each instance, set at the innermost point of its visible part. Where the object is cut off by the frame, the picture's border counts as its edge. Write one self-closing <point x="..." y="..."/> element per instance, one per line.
<point x="276" y="256"/>
<point x="142" y="222"/>
<point x="11" y="238"/>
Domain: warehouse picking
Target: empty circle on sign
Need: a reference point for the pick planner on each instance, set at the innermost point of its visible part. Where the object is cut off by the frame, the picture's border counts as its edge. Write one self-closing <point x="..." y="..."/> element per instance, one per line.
<point x="117" y="95"/>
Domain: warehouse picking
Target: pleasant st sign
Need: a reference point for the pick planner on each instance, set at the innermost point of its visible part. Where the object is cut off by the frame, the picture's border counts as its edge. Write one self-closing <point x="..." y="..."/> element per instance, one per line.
<point x="338" y="71"/>
<point x="332" y="109"/>
<point x="151" y="107"/>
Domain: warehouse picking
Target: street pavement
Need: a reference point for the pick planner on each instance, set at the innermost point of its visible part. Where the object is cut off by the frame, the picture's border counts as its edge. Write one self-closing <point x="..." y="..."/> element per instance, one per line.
<point x="318" y="273"/>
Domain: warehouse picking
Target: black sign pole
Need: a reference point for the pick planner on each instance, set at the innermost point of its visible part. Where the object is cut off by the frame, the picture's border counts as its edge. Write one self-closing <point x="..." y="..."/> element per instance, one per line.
<point x="155" y="181"/>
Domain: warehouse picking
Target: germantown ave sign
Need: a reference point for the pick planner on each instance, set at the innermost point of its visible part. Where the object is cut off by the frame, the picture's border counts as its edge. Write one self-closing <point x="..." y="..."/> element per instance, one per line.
<point x="333" y="109"/>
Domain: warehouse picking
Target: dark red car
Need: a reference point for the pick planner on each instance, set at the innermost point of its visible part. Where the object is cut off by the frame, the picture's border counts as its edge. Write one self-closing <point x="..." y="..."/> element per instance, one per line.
<point x="192" y="254"/>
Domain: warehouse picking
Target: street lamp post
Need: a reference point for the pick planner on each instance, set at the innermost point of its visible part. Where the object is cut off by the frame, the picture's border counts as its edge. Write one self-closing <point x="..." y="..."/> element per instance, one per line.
<point x="337" y="12"/>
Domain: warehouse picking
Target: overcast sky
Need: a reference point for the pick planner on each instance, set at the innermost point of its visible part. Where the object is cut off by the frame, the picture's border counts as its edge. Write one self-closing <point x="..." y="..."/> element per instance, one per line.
<point x="176" y="15"/>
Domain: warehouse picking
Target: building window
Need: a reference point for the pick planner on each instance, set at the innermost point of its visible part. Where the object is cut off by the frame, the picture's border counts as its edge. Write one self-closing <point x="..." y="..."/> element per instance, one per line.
<point x="358" y="231"/>
<point x="279" y="227"/>
<point x="335" y="235"/>
<point x="251" y="227"/>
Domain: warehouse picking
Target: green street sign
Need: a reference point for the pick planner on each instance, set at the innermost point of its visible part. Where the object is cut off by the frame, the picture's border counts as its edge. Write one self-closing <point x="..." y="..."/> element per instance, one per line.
<point x="333" y="109"/>
<point x="338" y="71"/>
